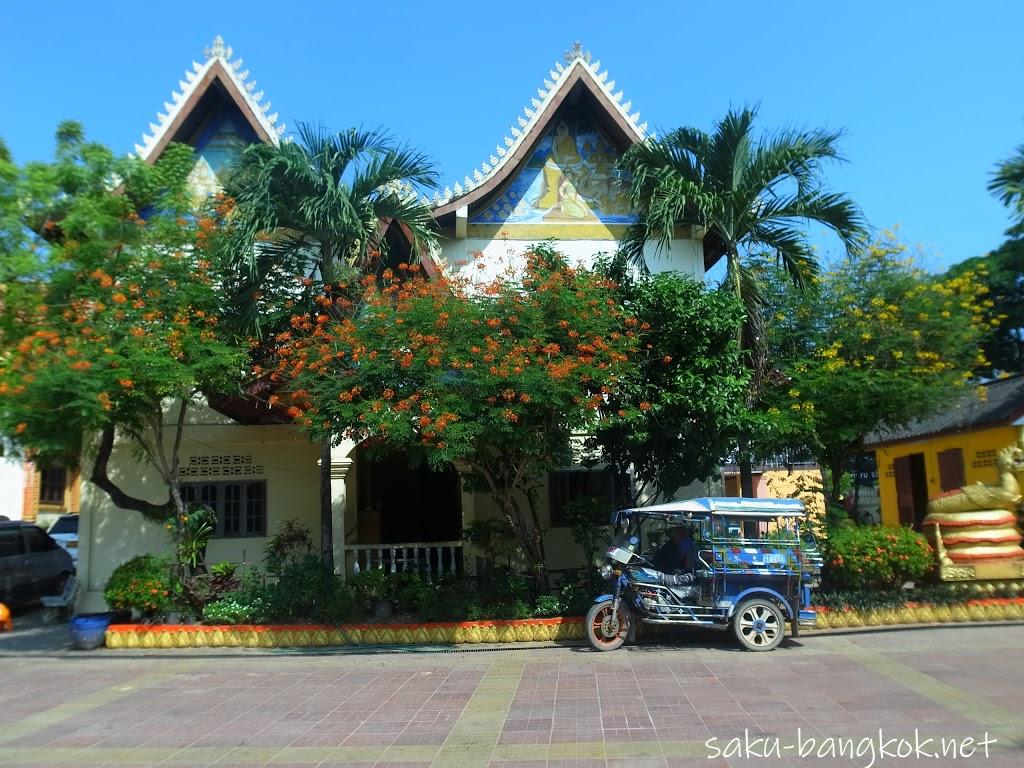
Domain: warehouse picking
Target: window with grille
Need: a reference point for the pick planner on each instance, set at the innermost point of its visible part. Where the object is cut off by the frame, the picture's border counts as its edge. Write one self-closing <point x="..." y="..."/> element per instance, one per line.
<point x="52" y="482"/>
<point x="567" y="485"/>
<point x="241" y="507"/>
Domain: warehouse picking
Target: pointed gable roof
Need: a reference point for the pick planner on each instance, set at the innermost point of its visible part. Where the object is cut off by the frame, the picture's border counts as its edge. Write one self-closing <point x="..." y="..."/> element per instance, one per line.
<point x="218" y="74"/>
<point x="580" y="75"/>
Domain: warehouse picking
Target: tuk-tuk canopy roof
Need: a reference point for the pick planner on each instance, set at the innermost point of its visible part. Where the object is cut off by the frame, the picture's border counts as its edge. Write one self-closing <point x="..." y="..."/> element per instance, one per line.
<point x="721" y="505"/>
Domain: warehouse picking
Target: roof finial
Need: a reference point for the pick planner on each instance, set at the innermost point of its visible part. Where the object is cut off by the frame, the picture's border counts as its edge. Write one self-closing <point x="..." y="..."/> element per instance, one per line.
<point x="215" y="50"/>
<point x="576" y="52"/>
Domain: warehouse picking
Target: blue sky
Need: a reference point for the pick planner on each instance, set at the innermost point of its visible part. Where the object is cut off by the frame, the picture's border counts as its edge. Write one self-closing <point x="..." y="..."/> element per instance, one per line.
<point x="928" y="92"/>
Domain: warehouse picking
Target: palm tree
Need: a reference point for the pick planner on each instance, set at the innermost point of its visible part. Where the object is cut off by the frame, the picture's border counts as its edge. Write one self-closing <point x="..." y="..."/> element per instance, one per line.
<point x="751" y="196"/>
<point x="321" y="206"/>
<point x="1007" y="184"/>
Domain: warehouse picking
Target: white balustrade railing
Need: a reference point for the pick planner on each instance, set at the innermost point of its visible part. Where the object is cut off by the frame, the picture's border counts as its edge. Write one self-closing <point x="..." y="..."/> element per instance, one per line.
<point x="431" y="560"/>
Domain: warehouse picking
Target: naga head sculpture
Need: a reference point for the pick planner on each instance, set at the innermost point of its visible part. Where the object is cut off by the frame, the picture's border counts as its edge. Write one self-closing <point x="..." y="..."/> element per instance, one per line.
<point x="1010" y="459"/>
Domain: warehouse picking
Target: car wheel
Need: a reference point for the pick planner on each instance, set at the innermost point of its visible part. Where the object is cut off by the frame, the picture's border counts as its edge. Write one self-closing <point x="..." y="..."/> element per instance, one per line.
<point x="758" y="624"/>
<point x="607" y="630"/>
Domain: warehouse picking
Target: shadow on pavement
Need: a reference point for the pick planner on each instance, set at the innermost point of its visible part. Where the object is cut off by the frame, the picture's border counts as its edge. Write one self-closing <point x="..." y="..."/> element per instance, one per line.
<point x="32" y="635"/>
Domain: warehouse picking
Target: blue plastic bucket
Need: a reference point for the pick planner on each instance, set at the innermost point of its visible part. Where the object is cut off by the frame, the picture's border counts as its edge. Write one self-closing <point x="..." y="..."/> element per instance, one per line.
<point x="88" y="631"/>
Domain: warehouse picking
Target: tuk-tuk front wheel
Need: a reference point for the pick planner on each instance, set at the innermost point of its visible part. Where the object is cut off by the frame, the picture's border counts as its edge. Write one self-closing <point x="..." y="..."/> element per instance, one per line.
<point x="607" y="629"/>
<point x="758" y="624"/>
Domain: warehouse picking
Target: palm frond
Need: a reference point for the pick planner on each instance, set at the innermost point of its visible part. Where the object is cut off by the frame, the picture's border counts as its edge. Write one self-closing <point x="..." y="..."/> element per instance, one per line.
<point x="833" y="210"/>
<point x="792" y="154"/>
<point x="730" y="148"/>
<point x="1007" y="183"/>
<point x="789" y="245"/>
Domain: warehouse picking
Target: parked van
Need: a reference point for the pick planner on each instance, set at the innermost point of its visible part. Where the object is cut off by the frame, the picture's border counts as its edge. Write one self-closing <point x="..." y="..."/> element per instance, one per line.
<point x="32" y="565"/>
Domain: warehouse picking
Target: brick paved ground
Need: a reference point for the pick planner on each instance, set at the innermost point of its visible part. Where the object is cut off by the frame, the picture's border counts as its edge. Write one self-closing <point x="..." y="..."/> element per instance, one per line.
<point x="646" y="707"/>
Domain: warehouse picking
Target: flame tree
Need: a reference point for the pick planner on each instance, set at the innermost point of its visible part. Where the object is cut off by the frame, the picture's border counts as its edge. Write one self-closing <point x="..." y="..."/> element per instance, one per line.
<point x="494" y="376"/>
<point x="115" y="312"/>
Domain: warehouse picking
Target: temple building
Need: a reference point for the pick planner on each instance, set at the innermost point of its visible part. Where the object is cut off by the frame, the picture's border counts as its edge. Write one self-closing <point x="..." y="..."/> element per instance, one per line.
<point x="552" y="176"/>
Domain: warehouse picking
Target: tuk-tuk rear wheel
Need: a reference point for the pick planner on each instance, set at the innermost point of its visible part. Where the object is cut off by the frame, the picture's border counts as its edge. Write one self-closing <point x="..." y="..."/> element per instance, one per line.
<point x="606" y="631"/>
<point x="758" y="624"/>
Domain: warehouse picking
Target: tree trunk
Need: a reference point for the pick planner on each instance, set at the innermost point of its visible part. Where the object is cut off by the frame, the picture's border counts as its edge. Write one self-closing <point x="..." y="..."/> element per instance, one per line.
<point x="326" y="508"/>
<point x="835" y="481"/>
<point x="529" y="540"/>
<point x="100" y="478"/>
<point x="746" y="479"/>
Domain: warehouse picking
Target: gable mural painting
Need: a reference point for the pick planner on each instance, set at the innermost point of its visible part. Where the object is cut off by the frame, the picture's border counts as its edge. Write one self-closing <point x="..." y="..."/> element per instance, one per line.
<point x="217" y="147"/>
<point x="567" y="187"/>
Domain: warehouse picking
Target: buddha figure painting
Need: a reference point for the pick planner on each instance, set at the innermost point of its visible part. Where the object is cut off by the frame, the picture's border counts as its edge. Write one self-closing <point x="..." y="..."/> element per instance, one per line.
<point x="568" y="179"/>
<point x="218" y="147"/>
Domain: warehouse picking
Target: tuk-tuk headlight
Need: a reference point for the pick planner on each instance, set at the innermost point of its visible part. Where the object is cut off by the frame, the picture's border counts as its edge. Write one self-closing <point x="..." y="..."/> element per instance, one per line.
<point x="605" y="571"/>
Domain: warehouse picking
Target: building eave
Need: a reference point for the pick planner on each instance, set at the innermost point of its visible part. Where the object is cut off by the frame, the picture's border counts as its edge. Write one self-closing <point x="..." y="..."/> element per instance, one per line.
<point x="534" y="122"/>
<point x="218" y="67"/>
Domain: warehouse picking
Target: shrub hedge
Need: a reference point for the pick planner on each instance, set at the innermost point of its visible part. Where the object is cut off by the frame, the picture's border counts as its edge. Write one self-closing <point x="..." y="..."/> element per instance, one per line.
<point x="874" y="557"/>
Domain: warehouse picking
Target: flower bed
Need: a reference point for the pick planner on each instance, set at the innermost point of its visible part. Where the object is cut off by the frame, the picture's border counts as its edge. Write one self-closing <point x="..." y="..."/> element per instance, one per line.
<point x="518" y="631"/>
<point x="313" y="635"/>
<point x="984" y="609"/>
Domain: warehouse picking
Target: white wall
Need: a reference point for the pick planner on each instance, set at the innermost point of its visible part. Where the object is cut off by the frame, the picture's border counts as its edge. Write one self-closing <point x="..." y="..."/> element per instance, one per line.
<point x="12" y="487"/>
<point x="110" y="536"/>
<point x="464" y="256"/>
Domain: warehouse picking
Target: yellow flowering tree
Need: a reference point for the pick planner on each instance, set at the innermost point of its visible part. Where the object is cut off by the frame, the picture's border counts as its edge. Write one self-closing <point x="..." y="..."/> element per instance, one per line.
<point x="880" y="343"/>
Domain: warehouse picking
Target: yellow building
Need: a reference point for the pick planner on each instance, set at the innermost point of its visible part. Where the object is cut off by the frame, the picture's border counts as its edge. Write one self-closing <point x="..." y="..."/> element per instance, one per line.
<point x="956" y="447"/>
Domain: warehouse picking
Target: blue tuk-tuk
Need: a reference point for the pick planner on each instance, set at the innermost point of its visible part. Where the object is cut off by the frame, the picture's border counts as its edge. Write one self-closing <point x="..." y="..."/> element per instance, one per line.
<point x="736" y="563"/>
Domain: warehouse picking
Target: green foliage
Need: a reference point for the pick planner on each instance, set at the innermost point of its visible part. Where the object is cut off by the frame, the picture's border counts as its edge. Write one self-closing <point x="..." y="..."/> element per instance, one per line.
<point x="588" y="524"/>
<point x="549" y="605"/>
<point x="675" y="413"/>
<point x="245" y="604"/>
<point x="449" y="600"/>
<point x="497" y="594"/>
<point x="874" y="557"/>
<point x="406" y="591"/>
<point x="496" y="376"/>
<point x="112" y="308"/>
<point x="224" y="569"/>
<point x="877" y="345"/>
<point x="308" y="590"/>
<point x="1001" y="271"/>
<point x="315" y="206"/>
<point x="861" y="599"/>
<point x="292" y="542"/>
<point x="143" y="584"/>
<point x="1007" y="184"/>
<point x="195" y="528"/>
<point x="235" y="609"/>
<point x="752" y="194"/>
<point x="939" y="593"/>
<point x="492" y="536"/>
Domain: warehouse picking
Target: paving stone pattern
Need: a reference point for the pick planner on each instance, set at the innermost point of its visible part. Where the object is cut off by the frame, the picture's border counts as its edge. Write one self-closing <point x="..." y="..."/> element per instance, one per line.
<point x="553" y="707"/>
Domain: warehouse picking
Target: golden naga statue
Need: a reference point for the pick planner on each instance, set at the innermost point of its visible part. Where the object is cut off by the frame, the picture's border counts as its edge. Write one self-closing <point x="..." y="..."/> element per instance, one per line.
<point x="976" y="526"/>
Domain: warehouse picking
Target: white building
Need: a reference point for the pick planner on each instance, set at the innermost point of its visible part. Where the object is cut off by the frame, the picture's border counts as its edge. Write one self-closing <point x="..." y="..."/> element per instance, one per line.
<point x="551" y="177"/>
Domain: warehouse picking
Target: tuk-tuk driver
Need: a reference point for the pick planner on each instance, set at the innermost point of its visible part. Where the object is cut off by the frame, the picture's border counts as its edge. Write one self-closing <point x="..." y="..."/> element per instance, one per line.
<point x="676" y="554"/>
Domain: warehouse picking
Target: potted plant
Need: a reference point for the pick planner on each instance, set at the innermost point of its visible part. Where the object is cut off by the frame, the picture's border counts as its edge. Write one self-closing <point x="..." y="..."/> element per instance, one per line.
<point x="373" y="589"/>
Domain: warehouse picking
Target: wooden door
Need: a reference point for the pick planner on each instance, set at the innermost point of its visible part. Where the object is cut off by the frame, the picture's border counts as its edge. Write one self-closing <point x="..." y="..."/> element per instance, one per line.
<point x="904" y="490"/>
<point x="951" y="469"/>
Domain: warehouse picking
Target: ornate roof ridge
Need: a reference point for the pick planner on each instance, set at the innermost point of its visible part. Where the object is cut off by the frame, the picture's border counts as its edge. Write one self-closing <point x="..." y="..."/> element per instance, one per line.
<point x="216" y="53"/>
<point x="531" y="115"/>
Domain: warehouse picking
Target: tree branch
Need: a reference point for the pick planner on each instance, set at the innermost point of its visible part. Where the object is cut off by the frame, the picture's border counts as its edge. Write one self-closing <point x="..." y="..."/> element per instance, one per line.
<point x="102" y="480"/>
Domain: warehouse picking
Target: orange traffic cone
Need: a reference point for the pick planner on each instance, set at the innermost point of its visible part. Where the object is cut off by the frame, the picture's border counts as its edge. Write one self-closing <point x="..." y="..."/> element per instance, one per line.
<point x="6" y="625"/>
